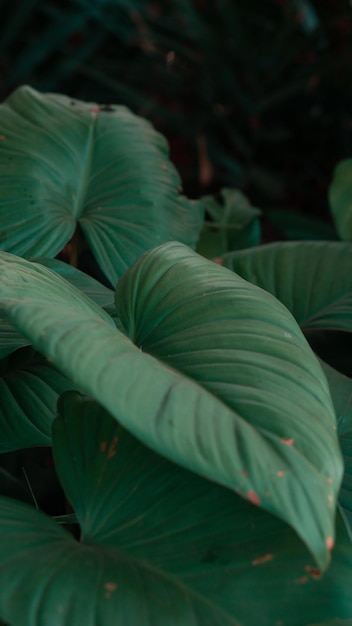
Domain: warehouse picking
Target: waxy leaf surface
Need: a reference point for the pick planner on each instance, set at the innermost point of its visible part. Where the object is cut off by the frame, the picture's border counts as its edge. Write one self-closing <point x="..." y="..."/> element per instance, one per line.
<point x="159" y="545"/>
<point x="230" y="388"/>
<point x="64" y="162"/>
<point x="313" y="279"/>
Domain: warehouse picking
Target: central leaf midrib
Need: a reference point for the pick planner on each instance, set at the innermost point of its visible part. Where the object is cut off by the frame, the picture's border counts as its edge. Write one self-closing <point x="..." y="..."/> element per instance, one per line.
<point x="83" y="181"/>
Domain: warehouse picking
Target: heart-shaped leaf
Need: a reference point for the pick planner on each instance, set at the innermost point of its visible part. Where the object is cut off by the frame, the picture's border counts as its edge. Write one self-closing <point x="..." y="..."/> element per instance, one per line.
<point x="232" y="390"/>
<point x="159" y="545"/>
<point x="313" y="279"/>
<point x="340" y="196"/>
<point x="65" y="162"/>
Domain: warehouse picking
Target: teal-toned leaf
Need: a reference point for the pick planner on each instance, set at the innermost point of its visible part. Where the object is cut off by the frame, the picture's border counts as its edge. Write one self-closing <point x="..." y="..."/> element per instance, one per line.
<point x="90" y="286"/>
<point x="230" y="389"/>
<point x="340" y="197"/>
<point x="11" y="339"/>
<point x="233" y="224"/>
<point x="65" y="162"/>
<point x="341" y="392"/>
<point x="159" y="546"/>
<point x="313" y="279"/>
<point x="29" y="389"/>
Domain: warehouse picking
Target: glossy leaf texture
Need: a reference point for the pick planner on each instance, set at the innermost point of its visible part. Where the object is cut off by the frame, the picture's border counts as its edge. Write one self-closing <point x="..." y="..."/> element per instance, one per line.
<point x="11" y="339"/>
<point x="340" y="197"/>
<point x="159" y="546"/>
<point x="29" y="390"/>
<point x="230" y="389"/>
<point x="312" y="279"/>
<point x="64" y="162"/>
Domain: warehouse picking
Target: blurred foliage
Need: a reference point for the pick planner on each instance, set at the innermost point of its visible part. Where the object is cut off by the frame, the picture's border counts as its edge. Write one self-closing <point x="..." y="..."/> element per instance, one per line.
<point x="251" y="94"/>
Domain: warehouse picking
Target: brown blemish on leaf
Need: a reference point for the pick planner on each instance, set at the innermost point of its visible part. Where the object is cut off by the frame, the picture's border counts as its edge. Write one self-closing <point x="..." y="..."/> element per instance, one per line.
<point x="302" y="580"/>
<point x="103" y="446"/>
<point x="281" y="473"/>
<point x="313" y="572"/>
<point x="244" y="473"/>
<point x="263" y="559"/>
<point x="219" y="260"/>
<point x="253" y="497"/>
<point x="2" y="137"/>
<point x="330" y="480"/>
<point x="288" y="442"/>
<point x="112" y="448"/>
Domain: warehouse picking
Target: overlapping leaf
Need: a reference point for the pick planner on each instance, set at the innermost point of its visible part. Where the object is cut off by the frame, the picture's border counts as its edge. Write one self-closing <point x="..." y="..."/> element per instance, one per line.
<point x="313" y="279"/>
<point x="341" y="392"/>
<point x="159" y="546"/>
<point x="64" y="162"/>
<point x="248" y="407"/>
<point x="29" y="389"/>
<point x="340" y="196"/>
<point x="11" y="339"/>
<point x="234" y="224"/>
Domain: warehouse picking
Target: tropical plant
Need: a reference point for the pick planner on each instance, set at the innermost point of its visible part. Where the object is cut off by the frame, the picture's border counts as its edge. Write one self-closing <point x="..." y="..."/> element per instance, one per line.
<point x="199" y="442"/>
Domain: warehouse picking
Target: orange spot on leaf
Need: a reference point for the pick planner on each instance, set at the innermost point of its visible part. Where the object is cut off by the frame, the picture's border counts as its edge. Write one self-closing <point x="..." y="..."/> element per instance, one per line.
<point x="281" y="473"/>
<point x="330" y="543"/>
<point x="253" y="498"/>
<point x="263" y="559"/>
<point x="109" y="589"/>
<point x="103" y="446"/>
<point x="330" y="480"/>
<point x="219" y="260"/>
<point x="288" y="442"/>
<point x="112" y="448"/>
<point x="2" y="137"/>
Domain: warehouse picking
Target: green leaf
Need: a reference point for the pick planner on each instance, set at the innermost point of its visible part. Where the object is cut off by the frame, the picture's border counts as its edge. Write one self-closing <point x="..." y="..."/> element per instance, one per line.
<point x="231" y="389"/>
<point x="65" y="162"/>
<point x="234" y="224"/>
<point x="90" y="286"/>
<point x="29" y="389"/>
<point x="312" y="279"/>
<point x="340" y="196"/>
<point x="159" y="545"/>
<point x="341" y="392"/>
<point x="11" y="339"/>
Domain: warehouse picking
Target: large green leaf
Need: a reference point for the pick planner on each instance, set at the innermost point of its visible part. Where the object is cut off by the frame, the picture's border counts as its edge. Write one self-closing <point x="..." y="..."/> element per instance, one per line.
<point x="235" y="392"/>
<point x="159" y="545"/>
<point x="313" y="279"/>
<point x="29" y="389"/>
<point x="64" y="162"/>
<point x="340" y="196"/>
<point x="11" y="339"/>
